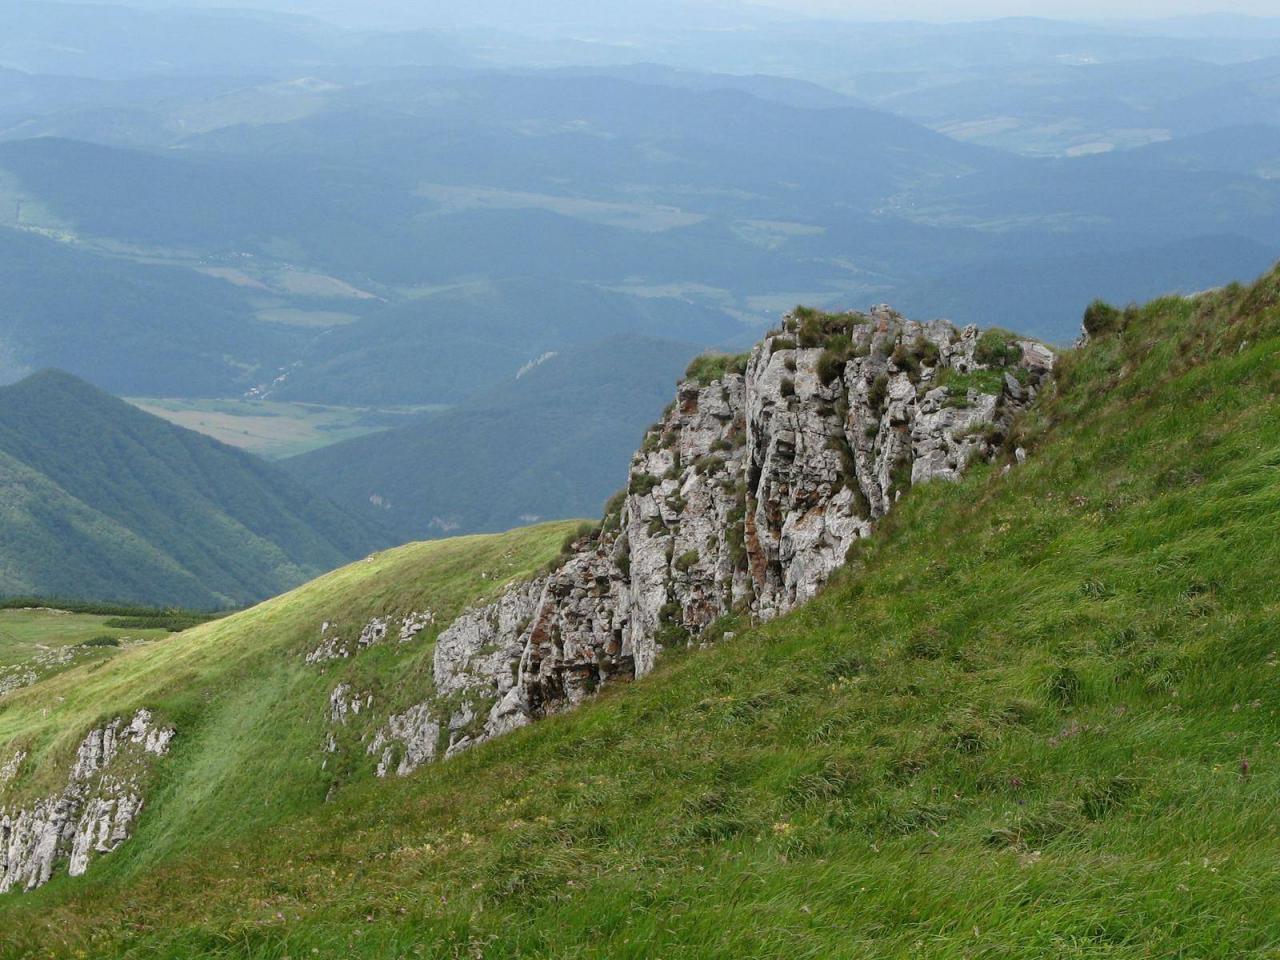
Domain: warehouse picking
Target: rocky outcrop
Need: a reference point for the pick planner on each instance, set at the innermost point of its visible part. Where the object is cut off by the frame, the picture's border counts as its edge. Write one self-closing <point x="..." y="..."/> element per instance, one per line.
<point x="475" y="669"/>
<point x="9" y="769"/>
<point x="93" y="814"/>
<point x="745" y="497"/>
<point x="344" y="703"/>
<point x="333" y="647"/>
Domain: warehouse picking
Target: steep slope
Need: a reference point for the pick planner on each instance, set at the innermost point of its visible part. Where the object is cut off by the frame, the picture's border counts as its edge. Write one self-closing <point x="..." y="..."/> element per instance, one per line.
<point x="55" y="545"/>
<point x="779" y="477"/>
<point x="1029" y="718"/>
<point x="751" y="490"/>
<point x="104" y="501"/>
<point x="549" y="443"/>
<point x="231" y="687"/>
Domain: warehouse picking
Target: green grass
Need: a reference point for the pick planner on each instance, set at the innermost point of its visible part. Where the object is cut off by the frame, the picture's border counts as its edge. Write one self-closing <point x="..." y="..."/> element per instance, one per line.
<point x="710" y="367"/>
<point x="37" y="643"/>
<point x="25" y="634"/>
<point x="251" y="712"/>
<point x="1034" y="717"/>
<point x="983" y="381"/>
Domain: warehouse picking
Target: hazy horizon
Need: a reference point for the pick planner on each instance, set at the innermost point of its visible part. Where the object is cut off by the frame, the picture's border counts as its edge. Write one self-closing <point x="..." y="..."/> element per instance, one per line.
<point x="403" y="13"/>
<point x="1074" y="10"/>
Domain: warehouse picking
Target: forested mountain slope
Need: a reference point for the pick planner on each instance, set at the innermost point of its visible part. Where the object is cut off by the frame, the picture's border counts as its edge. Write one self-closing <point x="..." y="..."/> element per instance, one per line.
<point x="105" y="502"/>
<point x="550" y="443"/>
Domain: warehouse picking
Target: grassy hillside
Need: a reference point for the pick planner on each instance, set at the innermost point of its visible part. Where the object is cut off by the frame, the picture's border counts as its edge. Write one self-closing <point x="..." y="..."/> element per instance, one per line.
<point x="552" y="443"/>
<point x="1035" y="716"/>
<point x="104" y="501"/>
<point x="24" y="633"/>
<point x="253" y="710"/>
<point x="37" y="642"/>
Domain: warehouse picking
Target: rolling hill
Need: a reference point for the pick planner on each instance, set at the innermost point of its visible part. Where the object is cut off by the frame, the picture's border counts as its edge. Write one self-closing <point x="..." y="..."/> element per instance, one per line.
<point x="551" y="443"/>
<point x="102" y="501"/>
<point x="132" y="328"/>
<point x="351" y="227"/>
<point x="466" y="339"/>
<point x="1031" y="716"/>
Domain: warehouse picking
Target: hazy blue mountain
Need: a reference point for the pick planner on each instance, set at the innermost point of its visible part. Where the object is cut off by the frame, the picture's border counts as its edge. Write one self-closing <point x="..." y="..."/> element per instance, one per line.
<point x="794" y="93"/>
<point x="1211" y="25"/>
<point x="131" y="328"/>
<point x="186" y="202"/>
<point x="1085" y="107"/>
<point x="554" y="442"/>
<point x="1251" y="150"/>
<point x="89" y="40"/>
<point x="471" y="200"/>
<point x="455" y="343"/>
<point x="1038" y="297"/>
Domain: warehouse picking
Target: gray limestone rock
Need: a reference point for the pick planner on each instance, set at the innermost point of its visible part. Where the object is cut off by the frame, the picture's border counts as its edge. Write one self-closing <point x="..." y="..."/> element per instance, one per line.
<point x="93" y="814"/>
<point x="745" y="497"/>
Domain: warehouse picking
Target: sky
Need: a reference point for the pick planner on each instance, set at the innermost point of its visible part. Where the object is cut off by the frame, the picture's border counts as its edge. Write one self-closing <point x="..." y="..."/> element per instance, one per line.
<point x="851" y="9"/>
<point x="1067" y="9"/>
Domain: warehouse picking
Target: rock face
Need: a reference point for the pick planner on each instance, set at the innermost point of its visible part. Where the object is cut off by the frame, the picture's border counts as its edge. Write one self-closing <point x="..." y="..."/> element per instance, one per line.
<point x="93" y="814"/>
<point x="746" y="497"/>
<point x="377" y="630"/>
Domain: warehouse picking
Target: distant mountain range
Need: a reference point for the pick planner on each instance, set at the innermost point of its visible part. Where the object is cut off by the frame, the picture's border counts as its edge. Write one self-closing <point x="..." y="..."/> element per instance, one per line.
<point x="458" y="342"/>
<point x="133" y="328"/>
<point x="99" y="500"/>
<point x="420" y="236"/>
<point x="553" y="443"/>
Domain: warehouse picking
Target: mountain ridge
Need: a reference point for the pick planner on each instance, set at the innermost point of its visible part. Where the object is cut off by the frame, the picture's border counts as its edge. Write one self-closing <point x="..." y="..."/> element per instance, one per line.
<point x="549" y="443"/>
<point x="762" y="477"/>
<point x="749" y="493"/>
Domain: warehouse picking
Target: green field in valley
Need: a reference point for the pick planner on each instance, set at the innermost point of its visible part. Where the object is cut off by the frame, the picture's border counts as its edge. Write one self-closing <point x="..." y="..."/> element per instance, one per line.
<point x="273" y="429"/>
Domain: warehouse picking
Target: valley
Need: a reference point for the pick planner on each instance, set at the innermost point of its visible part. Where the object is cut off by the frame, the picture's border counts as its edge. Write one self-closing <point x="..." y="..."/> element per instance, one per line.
<point x="276" y="430"/>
